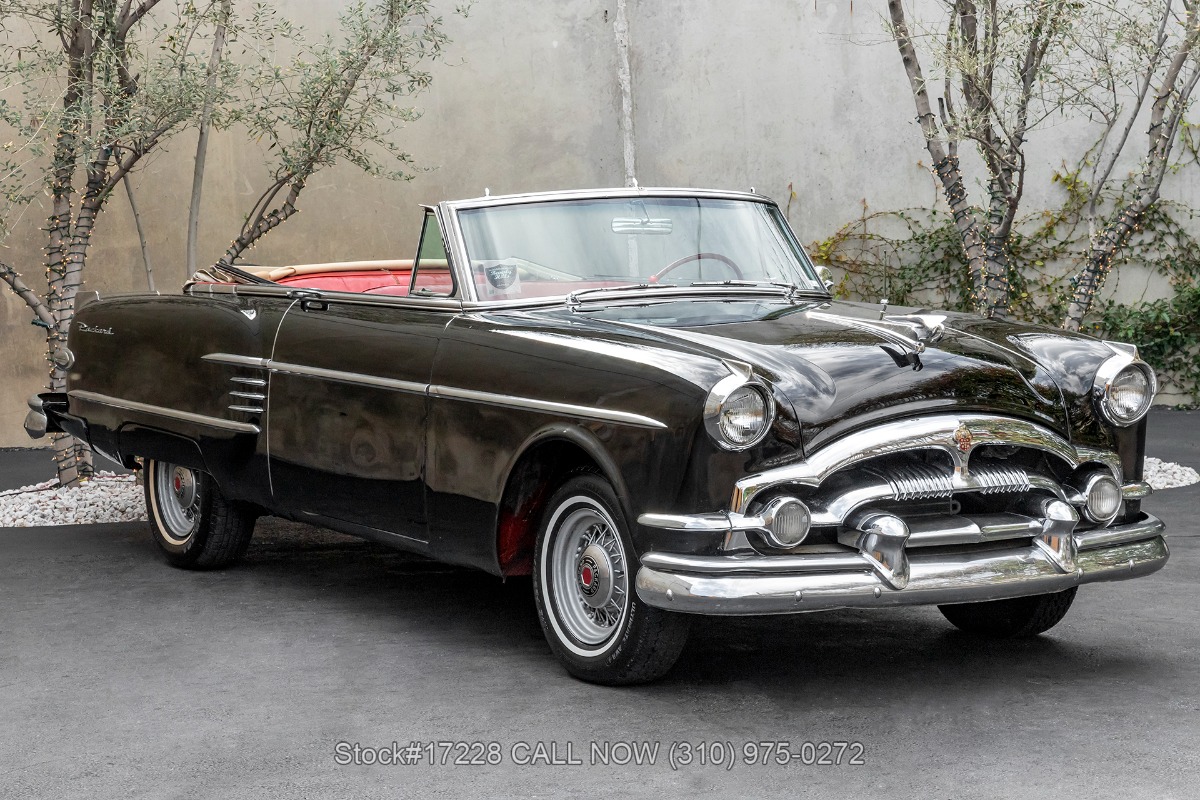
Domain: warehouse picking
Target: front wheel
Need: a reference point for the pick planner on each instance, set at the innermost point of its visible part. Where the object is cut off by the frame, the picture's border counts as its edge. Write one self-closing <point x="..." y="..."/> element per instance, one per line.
<point x="193" y="523"/>
<point x="1014" y="618"/>
<point x="583" y="586"/>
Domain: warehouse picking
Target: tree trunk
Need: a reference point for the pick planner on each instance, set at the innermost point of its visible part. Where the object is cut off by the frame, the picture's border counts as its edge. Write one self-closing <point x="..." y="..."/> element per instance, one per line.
<point x="268" y="221"/>
<point x="948" y="173"/>
<point x="1100" y="258"/>
<point x="995" y="288"/>
<point x="945" y="165"/>
<point x="214" y="61"/>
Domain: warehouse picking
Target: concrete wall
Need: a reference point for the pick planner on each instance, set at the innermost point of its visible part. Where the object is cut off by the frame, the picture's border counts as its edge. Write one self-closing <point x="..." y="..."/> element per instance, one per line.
<point x="759" y="93"/>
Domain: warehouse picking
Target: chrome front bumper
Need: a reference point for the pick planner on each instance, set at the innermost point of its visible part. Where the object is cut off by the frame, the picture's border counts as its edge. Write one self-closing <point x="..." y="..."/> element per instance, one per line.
<point x="785" y="584"/>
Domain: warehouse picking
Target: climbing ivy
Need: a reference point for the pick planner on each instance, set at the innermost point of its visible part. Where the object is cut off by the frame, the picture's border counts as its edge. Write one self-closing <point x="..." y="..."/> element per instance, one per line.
<point x="914" y="257"/>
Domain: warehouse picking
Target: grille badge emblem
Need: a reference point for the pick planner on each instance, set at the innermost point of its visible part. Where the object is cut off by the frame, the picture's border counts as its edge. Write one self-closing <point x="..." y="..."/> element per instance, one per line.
<point x="962" y="437"/>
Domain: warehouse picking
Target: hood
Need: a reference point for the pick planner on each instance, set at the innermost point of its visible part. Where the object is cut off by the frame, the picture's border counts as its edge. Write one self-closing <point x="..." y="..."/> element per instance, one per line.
<point x="838" y="374"/>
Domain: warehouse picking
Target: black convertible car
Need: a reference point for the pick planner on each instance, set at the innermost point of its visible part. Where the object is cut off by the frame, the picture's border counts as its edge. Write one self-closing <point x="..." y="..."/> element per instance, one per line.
<point x="648" y="400"/>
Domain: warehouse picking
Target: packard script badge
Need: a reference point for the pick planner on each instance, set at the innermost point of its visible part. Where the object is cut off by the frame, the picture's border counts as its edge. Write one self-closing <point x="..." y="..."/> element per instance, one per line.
<point x="962" y="437"/>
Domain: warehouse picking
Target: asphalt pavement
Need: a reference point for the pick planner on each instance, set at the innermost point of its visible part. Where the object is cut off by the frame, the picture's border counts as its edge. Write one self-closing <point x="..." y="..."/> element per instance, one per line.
<point x="123" y="677"/>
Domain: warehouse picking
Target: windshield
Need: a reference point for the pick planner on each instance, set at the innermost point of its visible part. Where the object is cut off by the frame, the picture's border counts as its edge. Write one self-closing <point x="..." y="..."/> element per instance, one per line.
<point x="555" y="248"/>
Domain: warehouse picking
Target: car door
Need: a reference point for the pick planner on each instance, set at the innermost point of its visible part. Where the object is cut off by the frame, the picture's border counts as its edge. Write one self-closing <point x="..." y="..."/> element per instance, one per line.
<point x="347" y="409"/>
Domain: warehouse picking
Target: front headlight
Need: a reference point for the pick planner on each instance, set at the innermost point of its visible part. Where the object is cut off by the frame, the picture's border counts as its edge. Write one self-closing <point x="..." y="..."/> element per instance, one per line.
<point x="738" y="412"/>
<point x="1124" y="389"/>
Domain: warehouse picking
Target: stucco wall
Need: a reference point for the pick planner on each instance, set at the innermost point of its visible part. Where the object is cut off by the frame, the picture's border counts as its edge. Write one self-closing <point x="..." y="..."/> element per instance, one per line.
<point x="726" y="95"/>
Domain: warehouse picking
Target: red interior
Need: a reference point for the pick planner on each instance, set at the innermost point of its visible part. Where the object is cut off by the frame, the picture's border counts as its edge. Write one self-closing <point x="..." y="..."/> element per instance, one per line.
<point x="395" y="283"/>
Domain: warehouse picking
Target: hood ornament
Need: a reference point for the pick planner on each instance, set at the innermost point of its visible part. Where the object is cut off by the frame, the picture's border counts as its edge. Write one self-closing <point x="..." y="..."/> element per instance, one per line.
<point x="927" y="328"/>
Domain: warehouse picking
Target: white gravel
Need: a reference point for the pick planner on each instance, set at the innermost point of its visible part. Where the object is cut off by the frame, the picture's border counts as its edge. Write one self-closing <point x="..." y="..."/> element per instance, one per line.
<point x="105" y="498"/>
<point x="1168" y="474"/>
<point x="118" y="498"/>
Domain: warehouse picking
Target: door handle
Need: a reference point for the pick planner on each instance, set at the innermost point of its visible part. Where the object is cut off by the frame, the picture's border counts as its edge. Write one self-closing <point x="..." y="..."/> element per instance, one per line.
<point x="310" y="299"/>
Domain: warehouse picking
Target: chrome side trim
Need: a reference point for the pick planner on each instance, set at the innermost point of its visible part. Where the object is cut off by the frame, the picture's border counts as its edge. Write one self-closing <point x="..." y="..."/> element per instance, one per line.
<point x="923" y="433"/>
<point x="356" y="378"/>
<point x="248" y="381"/>
<point x="247" y="409"/>
<point x="448" y="392"/>
<point x="161" y="411"/>
<point x="529" y="404"/>
<point x="249" y="395"/>
<point x="236" y="360"/>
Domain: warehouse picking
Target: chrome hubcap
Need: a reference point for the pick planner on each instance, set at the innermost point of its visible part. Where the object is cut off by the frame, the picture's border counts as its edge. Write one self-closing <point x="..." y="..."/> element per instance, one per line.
<point x="177" y="492"/>
<point x="595" y="576"/>
<point x="588" y="575"/>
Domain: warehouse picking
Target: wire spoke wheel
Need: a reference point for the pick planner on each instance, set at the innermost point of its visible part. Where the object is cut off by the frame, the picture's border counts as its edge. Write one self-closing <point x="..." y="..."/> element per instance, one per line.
<point x="588" y="572"/>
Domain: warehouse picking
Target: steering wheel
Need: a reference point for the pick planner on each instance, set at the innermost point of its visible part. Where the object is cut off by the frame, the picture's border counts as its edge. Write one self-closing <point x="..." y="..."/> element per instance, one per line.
<point x="656" y="277"/>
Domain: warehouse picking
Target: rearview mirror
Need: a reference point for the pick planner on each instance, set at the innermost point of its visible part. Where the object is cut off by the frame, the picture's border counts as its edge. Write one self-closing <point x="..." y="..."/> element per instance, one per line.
<point x="635" y="225"/>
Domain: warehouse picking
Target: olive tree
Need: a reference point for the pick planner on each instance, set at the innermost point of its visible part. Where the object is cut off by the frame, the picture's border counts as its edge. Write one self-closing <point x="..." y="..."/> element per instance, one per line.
<point x="90" y="89"/>
<point x="994" y="59"/>
<point x="342" y="99"/>
<point x="1002" y="69"/>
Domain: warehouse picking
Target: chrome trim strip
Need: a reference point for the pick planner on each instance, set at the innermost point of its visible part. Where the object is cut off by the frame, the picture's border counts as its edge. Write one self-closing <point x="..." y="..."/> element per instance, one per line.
<point x="923" y="433"/>
<point x="718" y="522"/>
<point x="248" y="381"/>
<point x="160" y="411"/>
<point x="600" y="194"/>
<point x="236" y="360"/>
<point x="529" y="404"/>
<point x="248" y="409"/>
<point x="448" y="392"/>
<point x="355" y="378"/>
<point x="249" y="395"/>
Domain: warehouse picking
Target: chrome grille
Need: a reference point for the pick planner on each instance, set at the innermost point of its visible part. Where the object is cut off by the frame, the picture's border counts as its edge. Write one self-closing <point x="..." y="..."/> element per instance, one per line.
<point x="916" y="481"/>
<point x="1000" y="479"/>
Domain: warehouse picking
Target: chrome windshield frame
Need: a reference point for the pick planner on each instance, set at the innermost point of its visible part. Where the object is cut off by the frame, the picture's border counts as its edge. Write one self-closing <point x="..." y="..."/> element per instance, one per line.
<point x="456" y="246"/>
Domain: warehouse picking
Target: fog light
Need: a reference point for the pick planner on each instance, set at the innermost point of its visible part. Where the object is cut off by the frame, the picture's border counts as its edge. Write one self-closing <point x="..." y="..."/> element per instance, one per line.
<point x="787" y="521"/>
<point x="1103" y="499"/>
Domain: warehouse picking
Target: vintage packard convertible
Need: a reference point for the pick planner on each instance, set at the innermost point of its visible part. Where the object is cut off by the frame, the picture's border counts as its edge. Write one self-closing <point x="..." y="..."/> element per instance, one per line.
<point x="648" y="400"/>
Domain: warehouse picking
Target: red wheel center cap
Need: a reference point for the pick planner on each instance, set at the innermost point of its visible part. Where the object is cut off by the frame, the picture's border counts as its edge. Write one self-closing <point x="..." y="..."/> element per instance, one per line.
<point x="178" y="484"/>
<point x="586" y="576"/>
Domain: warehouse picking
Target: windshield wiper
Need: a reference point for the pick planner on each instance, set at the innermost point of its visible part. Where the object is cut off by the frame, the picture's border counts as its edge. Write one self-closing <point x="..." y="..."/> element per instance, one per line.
<point x="573" y="297"/>
<point x="790" y="290"/>
<point x="793" y="291"/>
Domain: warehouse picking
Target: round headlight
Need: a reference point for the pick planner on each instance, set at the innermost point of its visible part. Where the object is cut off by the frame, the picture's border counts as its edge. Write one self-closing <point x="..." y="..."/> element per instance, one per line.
<point x="1124" y="389"/>
<point x="739" y="410"/>
<point x="743" y="416"/>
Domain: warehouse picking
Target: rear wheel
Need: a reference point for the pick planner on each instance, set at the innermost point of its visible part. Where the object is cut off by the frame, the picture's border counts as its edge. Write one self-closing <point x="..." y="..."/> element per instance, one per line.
<point x="1014" y="618"/>
<point x="583" y="586"/>
<point x="193" y="523"/>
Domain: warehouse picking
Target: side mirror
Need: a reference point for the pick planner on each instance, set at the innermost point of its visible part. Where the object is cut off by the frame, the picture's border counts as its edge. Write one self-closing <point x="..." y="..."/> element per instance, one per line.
<point x="826" y="277"/>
